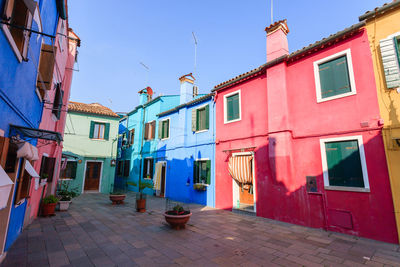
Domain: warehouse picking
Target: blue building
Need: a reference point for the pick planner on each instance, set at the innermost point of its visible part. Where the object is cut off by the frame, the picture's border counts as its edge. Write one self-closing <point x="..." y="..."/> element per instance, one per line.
<point x="138" y="141"/>
<point x="27" y="61"/>
<point x="186" y="150"/>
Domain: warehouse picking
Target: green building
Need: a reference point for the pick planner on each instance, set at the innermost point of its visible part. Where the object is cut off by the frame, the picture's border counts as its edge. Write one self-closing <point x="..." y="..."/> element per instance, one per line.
<point x="90" y="147"/>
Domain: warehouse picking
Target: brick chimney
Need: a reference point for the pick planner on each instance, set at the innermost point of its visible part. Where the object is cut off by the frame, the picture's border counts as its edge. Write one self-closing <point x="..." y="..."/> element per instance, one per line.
<point x="277" y="44"/>
<point x="187" y="83"/>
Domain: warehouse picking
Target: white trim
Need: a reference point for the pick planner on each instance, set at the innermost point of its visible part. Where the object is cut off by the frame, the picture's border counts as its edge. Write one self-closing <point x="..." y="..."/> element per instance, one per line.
<point x="84" y="174"/>
<point x="165" y="180"/>
<point x="225" y="107"/>
<point x="327" y="186"/>
<point x="202" y="159"/>
<point x="38" y="94"/>
<point x="169" y="128"/>
<point x="393" y="35"/>
<point x="235" y="187"/>
<point x="12" y="43"/>
<point x="353" y="91"/>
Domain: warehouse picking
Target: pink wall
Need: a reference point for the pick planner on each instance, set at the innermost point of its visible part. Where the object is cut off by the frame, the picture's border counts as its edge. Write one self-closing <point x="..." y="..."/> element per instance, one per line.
<point x="65" y="59"/>
<point x="286" y="124"/>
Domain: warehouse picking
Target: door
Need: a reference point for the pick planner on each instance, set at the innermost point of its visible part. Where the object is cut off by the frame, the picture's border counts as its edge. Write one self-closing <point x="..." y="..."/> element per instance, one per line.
<point x="162" y="192"/>
<point x="92" y="175"/>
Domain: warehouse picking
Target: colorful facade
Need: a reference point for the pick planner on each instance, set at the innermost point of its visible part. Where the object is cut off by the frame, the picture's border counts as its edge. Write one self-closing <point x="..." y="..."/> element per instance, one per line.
<point x="90" y="147"/>
<point x="186" y="148"/>
<point x="299" y="138"/>
<point x="138" y="143"/>
<point x="28" y="55"/>
<point x="384" y="39"/>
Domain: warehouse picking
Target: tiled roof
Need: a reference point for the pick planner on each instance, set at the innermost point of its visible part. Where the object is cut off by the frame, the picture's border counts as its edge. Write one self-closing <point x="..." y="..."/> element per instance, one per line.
<point x="331" y="39"/>
<point x="94" y="108"/>
<point x="275" y="25"/>
<point x="380" y="10"/>
<point x="195" y="101"/>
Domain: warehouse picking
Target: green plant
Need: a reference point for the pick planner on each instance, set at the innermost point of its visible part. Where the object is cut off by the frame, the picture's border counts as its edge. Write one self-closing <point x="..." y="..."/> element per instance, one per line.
<point x="178" y="210"/>
<point x="50" y="199"/>
<point x="65" y="193"/>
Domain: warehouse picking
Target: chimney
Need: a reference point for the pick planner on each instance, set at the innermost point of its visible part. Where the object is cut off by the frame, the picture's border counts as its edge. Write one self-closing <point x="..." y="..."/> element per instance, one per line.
<point x="146" y="95"/>
<point x="277" y="44"/>
<point x="187" y="83"/>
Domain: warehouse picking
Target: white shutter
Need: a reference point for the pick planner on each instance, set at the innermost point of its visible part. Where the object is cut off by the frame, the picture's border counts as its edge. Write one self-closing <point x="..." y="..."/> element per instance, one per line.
<point x="390" y="62"/>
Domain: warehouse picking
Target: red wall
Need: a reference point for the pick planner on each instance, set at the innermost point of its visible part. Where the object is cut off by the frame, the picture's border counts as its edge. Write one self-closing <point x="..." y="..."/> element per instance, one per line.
<point x="286" y="130"/>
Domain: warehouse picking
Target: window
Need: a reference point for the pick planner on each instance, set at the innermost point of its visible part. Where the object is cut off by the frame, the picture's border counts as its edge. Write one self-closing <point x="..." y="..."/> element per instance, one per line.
<point x="44" y="77"/>
<point x="163" y="129"/>
<point x="148" y="168"/>
<point x="47" y="168"/>
<point x="201" y="119"/>
<point x="58" y="101"/>
<point x="70" y="170"/>
<point x="131" y="136"/>
<point x="149" y="130"/>
<point x="23" y="184"/>
<point x="344" y="165"/>
<point x="232" y="107"/>
<point x="127" y="166"/>
<point x="202" y="172"/>
<point x="390" y="55"/>
<point x="99" y="130"/>
<point x="334" y="76"/>
<point x="18" y="15"/>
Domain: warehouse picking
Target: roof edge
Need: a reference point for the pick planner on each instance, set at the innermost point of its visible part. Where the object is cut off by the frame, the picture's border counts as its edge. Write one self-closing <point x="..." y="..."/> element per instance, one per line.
<point x="373" y="13"/>
<point x="194" y="101"/>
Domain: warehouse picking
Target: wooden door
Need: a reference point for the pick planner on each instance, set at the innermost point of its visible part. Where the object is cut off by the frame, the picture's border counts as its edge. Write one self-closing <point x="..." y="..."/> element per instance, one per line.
<point x="92" y="175"/>
<point x="246" y="194"/>
<point x="162" y="192"/>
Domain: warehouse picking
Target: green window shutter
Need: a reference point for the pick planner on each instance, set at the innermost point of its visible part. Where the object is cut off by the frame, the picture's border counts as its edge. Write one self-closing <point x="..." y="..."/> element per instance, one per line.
<point x="91" y="132"/>
<point x="233" y="108"/>
<point x="73" y="169"/>
<point x="390" y="61"/>
<point x="229" y="109"/>
<point x="208" y="117"/>
<point x="194" y="114"/>
<point x="197" y="119"/>
<point x="334" y="77"/>
<point x="344" y="164"/>
<point x="208" y="181"/>
<point x="160" y="134"/>
<point x="195" y="172"/>
<point x="167" y="129"/>
<point x="106" y="131"/>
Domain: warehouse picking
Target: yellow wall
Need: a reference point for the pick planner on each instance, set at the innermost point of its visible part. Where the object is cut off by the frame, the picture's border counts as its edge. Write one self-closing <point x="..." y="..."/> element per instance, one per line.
<point x="389" y="100"/>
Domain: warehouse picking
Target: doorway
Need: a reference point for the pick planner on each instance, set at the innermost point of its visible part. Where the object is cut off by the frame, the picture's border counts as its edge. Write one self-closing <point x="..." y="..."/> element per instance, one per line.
<point x="93" y="175"/>
<point x="163" y="173"/>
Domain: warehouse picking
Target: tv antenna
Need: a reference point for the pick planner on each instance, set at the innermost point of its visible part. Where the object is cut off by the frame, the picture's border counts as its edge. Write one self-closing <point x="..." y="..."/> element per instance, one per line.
<point x="195" y="54"/>
<point x="272" y="11"/>
<point x="147" y="72"/>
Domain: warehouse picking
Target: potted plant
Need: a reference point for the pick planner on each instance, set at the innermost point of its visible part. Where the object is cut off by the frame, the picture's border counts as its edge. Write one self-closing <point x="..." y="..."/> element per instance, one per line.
<point x="49" y="205"/>
<point x="117" y="197"/>
<point x="65" y="195"/>
<point x="177" y="217"/>
<point x="141" y="197"/>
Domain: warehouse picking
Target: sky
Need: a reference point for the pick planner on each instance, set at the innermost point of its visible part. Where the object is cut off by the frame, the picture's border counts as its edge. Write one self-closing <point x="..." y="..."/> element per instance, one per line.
<point x="117" y="36"/>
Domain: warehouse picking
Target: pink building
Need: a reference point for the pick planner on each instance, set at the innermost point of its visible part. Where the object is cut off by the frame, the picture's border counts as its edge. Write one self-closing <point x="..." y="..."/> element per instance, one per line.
<point x="299" y="138"/>
<point x="54" y="116"/>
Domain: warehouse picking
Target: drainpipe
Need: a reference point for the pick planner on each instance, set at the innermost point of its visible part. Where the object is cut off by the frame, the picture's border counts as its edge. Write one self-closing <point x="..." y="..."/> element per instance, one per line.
<point x="141" y="145"/>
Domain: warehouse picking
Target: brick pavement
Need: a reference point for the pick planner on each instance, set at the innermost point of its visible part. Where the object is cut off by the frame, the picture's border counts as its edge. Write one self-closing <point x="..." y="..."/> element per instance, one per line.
<point x="95" y="233"/>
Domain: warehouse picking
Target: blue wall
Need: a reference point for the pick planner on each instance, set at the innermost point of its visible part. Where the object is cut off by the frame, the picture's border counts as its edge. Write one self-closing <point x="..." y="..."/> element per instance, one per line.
<point x="182" y="148"/>
<point x="19" y="103"/>
<point x="142" y="113"/>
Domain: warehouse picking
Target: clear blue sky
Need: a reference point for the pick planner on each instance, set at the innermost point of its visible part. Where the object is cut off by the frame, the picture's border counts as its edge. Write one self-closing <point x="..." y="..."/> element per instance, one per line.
<point x="117" y="35"/>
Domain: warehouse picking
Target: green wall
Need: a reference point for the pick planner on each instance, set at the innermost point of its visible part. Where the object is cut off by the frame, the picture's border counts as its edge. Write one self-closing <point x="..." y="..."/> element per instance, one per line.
<point x="78" y="144"/>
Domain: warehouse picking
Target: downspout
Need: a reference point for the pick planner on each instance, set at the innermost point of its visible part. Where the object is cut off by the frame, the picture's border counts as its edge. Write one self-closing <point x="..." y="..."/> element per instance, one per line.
<point x="141" y="147"/>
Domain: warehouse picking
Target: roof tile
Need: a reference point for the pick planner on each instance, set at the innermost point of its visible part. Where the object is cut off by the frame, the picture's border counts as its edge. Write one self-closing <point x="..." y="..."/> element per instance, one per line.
<point x="93" y="108"/>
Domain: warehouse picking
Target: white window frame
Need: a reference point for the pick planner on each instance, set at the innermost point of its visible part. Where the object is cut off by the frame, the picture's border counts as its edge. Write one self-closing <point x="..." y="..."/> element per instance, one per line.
<point x="358" y="138"/>
<point x="100" y="122"/>
<point x="316" y="64"/>
<point x="200" y="107"/>
<point x="225" y="107"/>
<point x="169" y="128"/>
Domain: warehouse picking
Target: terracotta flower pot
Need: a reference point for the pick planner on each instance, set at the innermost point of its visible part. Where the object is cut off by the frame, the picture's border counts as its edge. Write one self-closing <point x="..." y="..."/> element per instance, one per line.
<point x="117" y="199"/>
<point x="141" y="205"/>
<point x="177" y="221"/>
<point x="48" y="209"/>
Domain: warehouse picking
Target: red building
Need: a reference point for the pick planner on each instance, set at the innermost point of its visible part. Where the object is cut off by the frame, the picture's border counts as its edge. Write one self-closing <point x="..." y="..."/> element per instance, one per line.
<point x="299" y="138"/>
<point x="56" y="99"/>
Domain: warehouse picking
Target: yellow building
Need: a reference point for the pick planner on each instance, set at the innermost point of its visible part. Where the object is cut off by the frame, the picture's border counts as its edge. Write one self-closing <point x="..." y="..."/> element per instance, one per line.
<point x="383" y="28"/>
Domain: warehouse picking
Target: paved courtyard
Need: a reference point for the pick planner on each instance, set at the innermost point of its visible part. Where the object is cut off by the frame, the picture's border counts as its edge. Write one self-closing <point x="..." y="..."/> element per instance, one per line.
<point x="95" y="233"/>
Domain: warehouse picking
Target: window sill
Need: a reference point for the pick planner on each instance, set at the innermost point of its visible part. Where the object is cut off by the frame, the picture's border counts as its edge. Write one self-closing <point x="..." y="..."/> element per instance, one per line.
<point x="66" y="179"/>
<point x="226" y="122"/>
<point x="320" y="100"/>
<point x="163" y="139"/>
<point x="148" y="179"/>
<point x="349" y="189"/>
<point x="201" y="131"/>
<point x="96" y="139"/>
